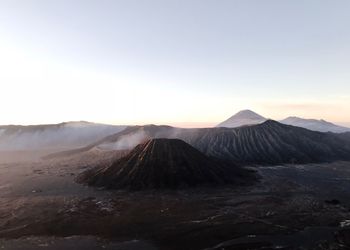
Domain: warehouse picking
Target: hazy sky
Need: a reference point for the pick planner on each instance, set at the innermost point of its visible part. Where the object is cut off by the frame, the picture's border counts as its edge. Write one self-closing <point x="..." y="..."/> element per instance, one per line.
<point x="173" y="61"/>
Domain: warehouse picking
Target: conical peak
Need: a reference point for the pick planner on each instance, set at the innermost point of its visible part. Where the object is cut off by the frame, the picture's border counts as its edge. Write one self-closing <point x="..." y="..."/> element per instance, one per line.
<point x="247" y="114"/>
<point x="161" y="163"/>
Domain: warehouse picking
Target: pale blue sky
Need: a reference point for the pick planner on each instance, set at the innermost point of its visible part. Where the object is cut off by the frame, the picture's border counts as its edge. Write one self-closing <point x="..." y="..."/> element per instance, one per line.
<point x="173" y="61"/>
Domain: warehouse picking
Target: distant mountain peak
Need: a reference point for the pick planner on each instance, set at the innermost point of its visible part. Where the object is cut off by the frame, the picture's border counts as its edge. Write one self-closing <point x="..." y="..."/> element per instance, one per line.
<point x="242" y="118"/>
<point x="248" y="114"/>
<point x="314" y="124"/>
<point x="247" y="111"/>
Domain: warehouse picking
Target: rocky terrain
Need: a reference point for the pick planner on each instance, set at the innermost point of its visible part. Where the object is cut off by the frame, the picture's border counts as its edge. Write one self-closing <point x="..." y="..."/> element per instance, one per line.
<point x="299" y="200"/>
<point x="290" y="207"/>
<point x="164" y="163"/>
<point x="270" y="143"/>
<point x="267" y="143"/>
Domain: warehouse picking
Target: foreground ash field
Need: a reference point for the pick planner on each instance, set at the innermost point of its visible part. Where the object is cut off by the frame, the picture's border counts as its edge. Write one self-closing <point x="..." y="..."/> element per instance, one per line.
<point x="265" y="186"/>
<point x="303" y="207"/>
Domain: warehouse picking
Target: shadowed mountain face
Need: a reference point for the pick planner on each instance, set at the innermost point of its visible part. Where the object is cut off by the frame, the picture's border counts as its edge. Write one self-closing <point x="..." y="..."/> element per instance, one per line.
<point x="271" y="143"/>
<point x="242" y="118"/>
<point x="161" y="163"/>
<point x="267" y="143"/>
<point x="344" y="136"/>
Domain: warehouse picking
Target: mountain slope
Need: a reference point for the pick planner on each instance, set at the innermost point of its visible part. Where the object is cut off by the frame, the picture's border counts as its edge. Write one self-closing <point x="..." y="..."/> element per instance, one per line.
<point x="316" y="125"/>
<point x="267" y="143"/>
<point x="161" y="163"/>
<point x="242" y="118"/>
<point x="53" y="136"/>
<point x="344" y="136"/>
<point x="270" y="143"/>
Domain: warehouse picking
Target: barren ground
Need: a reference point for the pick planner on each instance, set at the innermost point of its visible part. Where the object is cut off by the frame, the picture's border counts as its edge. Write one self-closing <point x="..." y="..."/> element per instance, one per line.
<point x="291" y="207"/>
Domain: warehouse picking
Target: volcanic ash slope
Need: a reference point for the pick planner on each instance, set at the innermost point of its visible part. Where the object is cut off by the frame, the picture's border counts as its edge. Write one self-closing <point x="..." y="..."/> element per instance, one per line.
<point x="162" y="163"/>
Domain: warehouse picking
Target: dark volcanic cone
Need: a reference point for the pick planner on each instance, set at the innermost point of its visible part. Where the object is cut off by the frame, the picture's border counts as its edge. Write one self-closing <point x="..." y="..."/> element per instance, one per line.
<point x="161" y="163"/>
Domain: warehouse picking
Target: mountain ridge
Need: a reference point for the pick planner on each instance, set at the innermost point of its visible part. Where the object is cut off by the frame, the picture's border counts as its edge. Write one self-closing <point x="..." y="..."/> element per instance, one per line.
<point x="268" y="143"/>
<point x="248" y="118"/>
<point x="51" y="136"/>
<point x="314" y="124"/>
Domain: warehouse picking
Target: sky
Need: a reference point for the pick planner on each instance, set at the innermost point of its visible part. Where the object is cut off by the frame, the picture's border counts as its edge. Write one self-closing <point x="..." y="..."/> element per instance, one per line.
<point x="179" y="62"/>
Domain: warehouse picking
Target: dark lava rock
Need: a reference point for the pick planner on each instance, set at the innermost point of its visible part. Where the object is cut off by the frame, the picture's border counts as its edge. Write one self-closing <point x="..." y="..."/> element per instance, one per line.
<point x="332" y="202"/>
<point x="162" y="163"/>
<point x="343" y="237"/>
